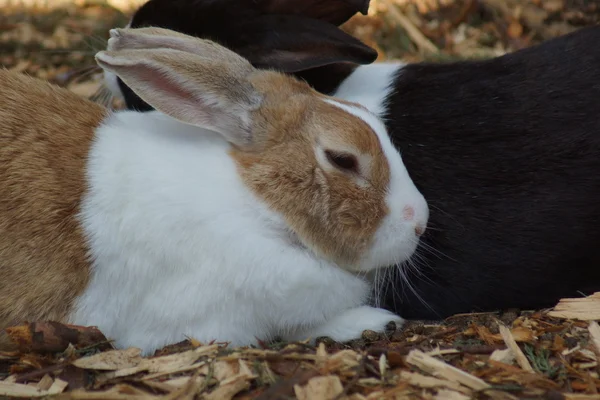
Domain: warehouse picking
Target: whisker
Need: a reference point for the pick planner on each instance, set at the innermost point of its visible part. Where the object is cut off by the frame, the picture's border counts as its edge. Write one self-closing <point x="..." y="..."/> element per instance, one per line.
<point x="433" y="206"/>
<point x="405" y="277"/>
<point x="433" y="251"/>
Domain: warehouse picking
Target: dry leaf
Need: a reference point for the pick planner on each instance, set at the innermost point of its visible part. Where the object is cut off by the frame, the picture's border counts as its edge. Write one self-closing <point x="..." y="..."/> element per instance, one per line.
<point x="515" y="30"/>
<point x="320" y="388"/>
<point x="54" y="337"/>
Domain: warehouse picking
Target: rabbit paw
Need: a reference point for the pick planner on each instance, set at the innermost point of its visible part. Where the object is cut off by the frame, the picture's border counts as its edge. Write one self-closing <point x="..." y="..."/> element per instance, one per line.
<point x="350" y="324"/>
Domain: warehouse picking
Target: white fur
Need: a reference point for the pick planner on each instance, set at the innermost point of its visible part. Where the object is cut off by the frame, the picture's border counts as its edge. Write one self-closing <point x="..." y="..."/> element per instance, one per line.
<point x="180" y="247"/>
<point x="110" y="79"/>
<point x="370" y="85"/>
<point x="111" y="83"/>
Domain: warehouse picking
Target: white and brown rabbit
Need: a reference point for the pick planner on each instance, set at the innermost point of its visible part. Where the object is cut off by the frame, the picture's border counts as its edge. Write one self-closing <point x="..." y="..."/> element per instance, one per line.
<point x="248" y="206"/>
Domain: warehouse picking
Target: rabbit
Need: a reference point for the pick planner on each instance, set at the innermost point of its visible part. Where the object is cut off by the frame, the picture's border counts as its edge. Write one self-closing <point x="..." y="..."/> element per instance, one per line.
<point x="246" y="207"/>
<point x="506" y="150"/>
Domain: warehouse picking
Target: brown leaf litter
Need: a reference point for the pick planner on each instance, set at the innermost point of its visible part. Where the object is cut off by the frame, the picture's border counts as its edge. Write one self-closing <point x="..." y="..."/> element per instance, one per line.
<point x="550" y="354"/>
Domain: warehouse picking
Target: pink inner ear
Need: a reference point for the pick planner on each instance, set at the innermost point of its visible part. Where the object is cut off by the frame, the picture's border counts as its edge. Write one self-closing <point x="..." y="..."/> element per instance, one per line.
<point x="169" y="96"/>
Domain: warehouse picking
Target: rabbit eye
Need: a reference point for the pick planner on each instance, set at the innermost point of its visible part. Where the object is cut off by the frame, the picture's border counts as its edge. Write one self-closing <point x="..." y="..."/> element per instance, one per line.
<point x="344" y="161"/>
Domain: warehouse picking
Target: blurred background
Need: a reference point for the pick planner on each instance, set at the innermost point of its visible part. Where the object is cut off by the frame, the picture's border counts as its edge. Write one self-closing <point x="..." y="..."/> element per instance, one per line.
<point x="56" y="39"/>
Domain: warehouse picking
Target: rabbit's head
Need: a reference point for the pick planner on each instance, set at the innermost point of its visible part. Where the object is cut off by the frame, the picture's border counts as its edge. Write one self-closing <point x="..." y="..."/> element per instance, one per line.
<point x="326" y="167"/>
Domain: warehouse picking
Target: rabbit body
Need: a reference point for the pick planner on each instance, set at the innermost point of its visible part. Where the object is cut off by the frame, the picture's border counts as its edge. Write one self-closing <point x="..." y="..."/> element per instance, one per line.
<point x="238" y="282"/>
<point x="234" y="213"/>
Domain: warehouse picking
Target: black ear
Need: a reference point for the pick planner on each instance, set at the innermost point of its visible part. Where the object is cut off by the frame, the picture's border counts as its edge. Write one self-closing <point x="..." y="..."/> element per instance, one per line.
<point x="333" y="11"/>
<point x="292" y="43"/>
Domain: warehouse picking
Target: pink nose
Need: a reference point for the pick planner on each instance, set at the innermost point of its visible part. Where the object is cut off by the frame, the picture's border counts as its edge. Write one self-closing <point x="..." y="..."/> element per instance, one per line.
<point x="419" y="230"/>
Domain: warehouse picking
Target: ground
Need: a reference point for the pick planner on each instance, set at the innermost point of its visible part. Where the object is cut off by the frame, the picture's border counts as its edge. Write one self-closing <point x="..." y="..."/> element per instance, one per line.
<point x="541" y="354"/>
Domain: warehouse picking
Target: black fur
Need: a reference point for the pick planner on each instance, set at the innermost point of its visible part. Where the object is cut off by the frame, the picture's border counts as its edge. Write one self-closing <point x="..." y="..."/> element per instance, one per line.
<point x="506" y="151"/>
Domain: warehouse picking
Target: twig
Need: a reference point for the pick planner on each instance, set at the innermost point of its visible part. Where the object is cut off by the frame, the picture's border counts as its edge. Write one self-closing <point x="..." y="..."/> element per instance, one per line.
<point x="415" y="34"/>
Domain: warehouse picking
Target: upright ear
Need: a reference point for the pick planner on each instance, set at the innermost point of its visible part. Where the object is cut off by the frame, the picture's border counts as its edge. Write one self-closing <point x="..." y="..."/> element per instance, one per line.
<point x="335" y="12"/>
<point x="155" y="38"/>
<point x="150" y="38"/>
<point x="211" y="91"/>
<point x="291" y="43"/>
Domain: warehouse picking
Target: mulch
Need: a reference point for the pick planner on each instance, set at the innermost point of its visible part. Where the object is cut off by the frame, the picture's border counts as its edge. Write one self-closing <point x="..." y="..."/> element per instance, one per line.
<point x="544" y="354"/>
<point x="551" y="354"/>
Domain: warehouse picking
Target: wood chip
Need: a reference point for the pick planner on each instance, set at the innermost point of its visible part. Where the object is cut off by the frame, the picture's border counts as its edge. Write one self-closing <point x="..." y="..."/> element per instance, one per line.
<point x="429" y="382"/>
<point x="584" y="309"/>
<point x="443" y="370"/>
<point x="229" y="388"/>
<point x="446" y="394"/>
<point x="514" y="347"/>
<point x="320" y="388"/>
<point x="594" y="330"/>
<point x="111" y="360"/>
<point x="20" y="390"/>
<point x="45" y="382"/>
<point x="506" y="356"/>
<point x="118" y="392"/>
<point x="165" y="365"/>
<point x="57" y="387"/>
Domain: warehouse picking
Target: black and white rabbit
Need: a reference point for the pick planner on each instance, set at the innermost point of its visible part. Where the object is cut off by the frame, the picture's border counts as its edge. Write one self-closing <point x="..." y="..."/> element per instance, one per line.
<point x="248" y="206"/>
<point x="506" y="150"/>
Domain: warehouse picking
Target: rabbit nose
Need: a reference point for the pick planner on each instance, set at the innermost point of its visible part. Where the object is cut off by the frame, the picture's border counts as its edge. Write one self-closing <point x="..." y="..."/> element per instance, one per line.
<point x="409" y="215"/>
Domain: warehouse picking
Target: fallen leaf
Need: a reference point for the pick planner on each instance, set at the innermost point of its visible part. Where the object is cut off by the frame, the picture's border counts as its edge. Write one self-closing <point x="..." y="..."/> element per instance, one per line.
<point x="320" y="388"/>
<point x="54" y="337"/>
<point x="515" y="30"/>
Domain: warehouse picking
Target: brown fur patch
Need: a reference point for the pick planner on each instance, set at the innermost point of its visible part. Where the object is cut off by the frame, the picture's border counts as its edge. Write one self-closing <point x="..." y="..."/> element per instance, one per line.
<point x="45" y="135"/>
<point x="328" y="209"/>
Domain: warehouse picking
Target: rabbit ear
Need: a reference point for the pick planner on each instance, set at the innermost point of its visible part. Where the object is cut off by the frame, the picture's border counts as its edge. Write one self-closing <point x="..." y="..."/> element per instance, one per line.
<point x="333" y="11"/>
<point x="299" y="44"/>
<point x="153" y="38"/>
<point x="211" y="91"/>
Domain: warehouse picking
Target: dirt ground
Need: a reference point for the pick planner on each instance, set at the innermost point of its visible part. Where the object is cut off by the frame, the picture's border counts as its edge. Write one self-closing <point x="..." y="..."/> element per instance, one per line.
<point x="539" y="354"/>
